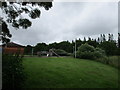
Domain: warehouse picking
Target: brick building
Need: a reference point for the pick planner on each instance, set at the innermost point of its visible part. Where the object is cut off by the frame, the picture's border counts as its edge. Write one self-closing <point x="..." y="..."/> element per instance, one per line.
<point x="13" y="48"/>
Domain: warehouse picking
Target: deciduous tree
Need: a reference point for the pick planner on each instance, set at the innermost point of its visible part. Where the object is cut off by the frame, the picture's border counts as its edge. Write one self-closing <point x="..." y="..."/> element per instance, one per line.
<point x="14" y="11"/>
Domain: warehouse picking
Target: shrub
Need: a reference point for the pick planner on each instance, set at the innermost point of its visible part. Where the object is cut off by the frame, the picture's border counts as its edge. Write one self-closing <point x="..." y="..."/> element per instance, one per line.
<point x="61" y="52"/>
<point x="85" y="55"/>
<point x="109" y="47"/>
<point x="99" y="53"/>
<point x="111" y="60"/>
<point x="87" y="51"/>
<point x="103" y="60"/>
<point x="12" y="71"/>
<point x="114" y="61"/>
<point x="86" y="47"/>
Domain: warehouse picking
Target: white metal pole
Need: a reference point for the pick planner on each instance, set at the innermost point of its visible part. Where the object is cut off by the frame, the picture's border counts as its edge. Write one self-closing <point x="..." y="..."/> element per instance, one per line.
<point x="75" y="48"/>
<point x="32" y="50"/>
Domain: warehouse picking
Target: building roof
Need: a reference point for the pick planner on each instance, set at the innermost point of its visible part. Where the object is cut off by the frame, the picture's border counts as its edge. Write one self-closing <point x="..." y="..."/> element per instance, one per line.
<point x="12" y="44"/>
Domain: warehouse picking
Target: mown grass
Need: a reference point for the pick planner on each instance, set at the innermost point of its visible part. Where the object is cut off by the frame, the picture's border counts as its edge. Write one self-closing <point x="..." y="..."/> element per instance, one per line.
<point x="69" y="72"/>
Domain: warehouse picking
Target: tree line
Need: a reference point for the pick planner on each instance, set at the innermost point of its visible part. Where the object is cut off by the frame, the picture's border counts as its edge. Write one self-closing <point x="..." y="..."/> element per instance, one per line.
<point x="111" y="46"/>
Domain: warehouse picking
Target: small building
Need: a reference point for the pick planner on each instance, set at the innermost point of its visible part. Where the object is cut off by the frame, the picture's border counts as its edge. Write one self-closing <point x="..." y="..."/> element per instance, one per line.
<point x="13" y="48"/>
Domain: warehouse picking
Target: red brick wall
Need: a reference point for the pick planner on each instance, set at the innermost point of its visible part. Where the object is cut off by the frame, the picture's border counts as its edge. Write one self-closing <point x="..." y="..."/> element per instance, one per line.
<point x="13" y="50"/>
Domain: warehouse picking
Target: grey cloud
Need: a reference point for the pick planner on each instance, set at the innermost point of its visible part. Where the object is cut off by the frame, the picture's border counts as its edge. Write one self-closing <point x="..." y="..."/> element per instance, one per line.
<point x="68" y="20"/>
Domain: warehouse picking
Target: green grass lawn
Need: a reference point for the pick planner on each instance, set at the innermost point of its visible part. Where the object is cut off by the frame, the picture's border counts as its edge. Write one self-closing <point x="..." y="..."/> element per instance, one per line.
<point x="58" y="72"/>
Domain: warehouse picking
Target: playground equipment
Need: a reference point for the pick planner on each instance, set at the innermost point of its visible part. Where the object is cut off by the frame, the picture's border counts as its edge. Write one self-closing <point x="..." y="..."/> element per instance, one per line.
<point x="48" y="54"/>
<point x="51" y="51"/>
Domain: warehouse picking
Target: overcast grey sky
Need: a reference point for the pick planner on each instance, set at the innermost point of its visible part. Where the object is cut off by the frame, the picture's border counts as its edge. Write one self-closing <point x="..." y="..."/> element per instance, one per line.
<point x="70" y="20"/>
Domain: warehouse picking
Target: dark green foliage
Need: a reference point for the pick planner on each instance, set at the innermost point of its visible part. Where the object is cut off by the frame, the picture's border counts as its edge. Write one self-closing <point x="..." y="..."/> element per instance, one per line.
<point x="40" y="47"/>
<point x="104" y="39"/>
<point x="13" y="12"/>
<point x="86" y="47"/>
<point x="84" y="39"/>
<point x="89" y="39"/>
<point x="46" y="5"/>
<point x="85" y="55"/>
<point x="109" y="47"/>
<point x="15" y="24"/>
<point x="110" y="37"/>
<point x="78" y="43"/>
<point x="87" y="51"/>
<point x="93" y="43"/>
<point x="53" y="45"/>
<point x="119" y="40"/>
<point x="12" y="72"/>
<point x="24" y="10"/>
<point x="65" y="45"/>
<point x="24" y="23"/>
<point x="118" y="51"/>
<point x="28" y="50"/>
<point x="99" y="53"/>
<point x="112" y="61"/>
<point x="4" y="4"/>
<point x="61" y="52"/>
<point x="98" y="39"/>
<point x="5" y="33"/>
<point x="35" y="13"/>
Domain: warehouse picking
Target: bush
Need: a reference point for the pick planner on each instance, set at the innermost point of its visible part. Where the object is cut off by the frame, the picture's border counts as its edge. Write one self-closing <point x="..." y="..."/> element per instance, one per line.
<point x="103" y="60"/>
<point x="86" y="47"/>
<point x="85" y="55"/>
<point x="86" y="51"/>
<point x="12" y="72"/>
<point x="109" y="47"/>
<point x="112" y="61"/>
<point x="99" y="53"/>
<point x="61" y="52"/>
<point x="118" y="51"/>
